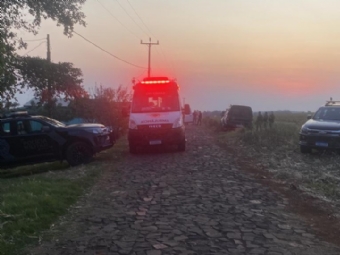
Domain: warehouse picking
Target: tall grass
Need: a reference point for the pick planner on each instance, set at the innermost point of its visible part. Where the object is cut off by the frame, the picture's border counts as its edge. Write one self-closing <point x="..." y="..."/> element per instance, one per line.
<point x="285" y="131"/>
<point x="277" y="149"/>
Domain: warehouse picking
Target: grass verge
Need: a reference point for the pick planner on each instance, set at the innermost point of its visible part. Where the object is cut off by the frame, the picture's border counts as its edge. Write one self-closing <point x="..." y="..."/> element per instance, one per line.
<point x="32" y="169"/>
<point x="277" y="150"/>
<point x="30" y="204"/>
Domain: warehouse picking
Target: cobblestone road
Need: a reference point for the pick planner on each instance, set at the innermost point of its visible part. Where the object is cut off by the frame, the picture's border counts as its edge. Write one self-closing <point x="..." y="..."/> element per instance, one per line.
<point x="194" y="202"/>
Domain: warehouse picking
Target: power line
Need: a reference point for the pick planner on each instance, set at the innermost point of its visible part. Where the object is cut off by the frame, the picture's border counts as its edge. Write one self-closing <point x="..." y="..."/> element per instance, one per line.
<point x="107" y="51"/>
<point x="132" y="19"/>
<point x="139" y="17"/>
<point x="35" y="47"/>
<point x="161" y="48"/>
<point x="117" y="19"/>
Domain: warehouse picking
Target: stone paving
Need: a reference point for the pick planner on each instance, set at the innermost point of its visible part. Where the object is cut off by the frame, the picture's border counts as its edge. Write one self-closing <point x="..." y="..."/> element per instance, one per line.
<point x="193" y="202"/>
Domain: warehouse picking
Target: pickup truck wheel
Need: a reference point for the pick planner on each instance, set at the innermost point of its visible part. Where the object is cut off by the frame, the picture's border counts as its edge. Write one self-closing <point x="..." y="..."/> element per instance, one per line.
<point x="305" y="149"/>
<point x="181" y="146"/>
<point x="78" y="153"/>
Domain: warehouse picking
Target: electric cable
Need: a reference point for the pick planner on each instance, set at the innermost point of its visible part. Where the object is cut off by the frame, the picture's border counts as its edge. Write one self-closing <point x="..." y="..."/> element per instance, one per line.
<point x="132" y="18"/>
<point x="120" y="59"/>
<point x="35" y="48"/>
<point x="104" y="7"/>
<point x="161" y="52"/>
<point x="140" y="18"/>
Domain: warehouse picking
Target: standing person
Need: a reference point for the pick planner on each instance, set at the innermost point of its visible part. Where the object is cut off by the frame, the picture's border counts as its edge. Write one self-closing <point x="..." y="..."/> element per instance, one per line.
<point x="195" y="117"/>
<point x="199" y="119"/>
<point x="265" y="119"/>
<point x="271" y="119"/>
<point x="259" y="121"/>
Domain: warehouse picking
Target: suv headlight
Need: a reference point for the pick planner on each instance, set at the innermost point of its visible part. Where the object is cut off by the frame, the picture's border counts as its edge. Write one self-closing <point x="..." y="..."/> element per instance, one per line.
<point x="132" y="124"/>
<point x="178" y="123"/>
<point x="304" y="130"/>
<point x="96" y="130"/>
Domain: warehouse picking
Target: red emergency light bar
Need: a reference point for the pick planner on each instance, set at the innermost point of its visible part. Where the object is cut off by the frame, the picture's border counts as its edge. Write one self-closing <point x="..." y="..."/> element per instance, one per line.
<point x="155" y="82"/>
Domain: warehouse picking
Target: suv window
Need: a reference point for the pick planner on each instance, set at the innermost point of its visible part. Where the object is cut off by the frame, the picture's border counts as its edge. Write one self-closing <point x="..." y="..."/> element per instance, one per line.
<point x="21" y="128"/>
<point x="35" y="126"/>
<point x="327" y="113"/>
<point x="5" y="128"/>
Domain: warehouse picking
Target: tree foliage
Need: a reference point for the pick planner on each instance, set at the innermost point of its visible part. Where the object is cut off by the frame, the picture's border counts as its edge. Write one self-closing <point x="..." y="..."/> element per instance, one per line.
<point x="104" y="106"/>
<point x="65" y="80"/>
<point x="14" y="15"/>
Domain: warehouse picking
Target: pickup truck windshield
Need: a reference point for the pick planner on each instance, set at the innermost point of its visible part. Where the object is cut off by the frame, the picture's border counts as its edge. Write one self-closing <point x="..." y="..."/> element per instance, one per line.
<point x="327" y="113"/>
<point x="52" y="122"/>
<point x="155" y="101"/>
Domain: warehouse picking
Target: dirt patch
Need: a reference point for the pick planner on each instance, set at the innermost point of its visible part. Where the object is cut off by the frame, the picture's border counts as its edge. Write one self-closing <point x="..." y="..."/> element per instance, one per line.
<point x="320" y="215"/>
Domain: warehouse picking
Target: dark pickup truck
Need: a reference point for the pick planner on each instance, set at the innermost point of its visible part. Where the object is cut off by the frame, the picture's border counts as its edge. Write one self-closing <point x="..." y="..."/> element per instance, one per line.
<point x="26" y="139"/>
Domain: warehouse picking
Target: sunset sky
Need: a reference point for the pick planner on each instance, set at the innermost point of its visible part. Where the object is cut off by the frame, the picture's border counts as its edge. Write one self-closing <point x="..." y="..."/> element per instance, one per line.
<point x="270" y="55"/>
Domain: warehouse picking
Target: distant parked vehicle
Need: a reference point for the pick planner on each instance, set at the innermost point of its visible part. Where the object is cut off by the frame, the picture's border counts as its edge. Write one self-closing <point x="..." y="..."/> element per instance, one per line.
<point x="237" y="116"/>
<point x="188" y="116"/>
<point x="26" y="139"/>
<point x="322" y="130"/>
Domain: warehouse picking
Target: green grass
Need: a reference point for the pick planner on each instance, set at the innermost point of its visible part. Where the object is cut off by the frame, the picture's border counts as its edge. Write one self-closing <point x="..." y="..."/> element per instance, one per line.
<point x="277" y="149"/>
<point x="329" y="190"/>
<point x="31" y="204"/>
<point x="282" y="135"/>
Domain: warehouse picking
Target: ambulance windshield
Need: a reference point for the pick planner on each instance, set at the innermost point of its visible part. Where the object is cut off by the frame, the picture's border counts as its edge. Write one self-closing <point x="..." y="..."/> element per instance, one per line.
<point x="155" y="101"/>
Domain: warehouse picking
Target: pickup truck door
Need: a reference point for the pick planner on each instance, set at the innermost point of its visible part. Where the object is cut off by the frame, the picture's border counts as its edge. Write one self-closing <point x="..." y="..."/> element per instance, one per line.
<point x="35" y="144"/>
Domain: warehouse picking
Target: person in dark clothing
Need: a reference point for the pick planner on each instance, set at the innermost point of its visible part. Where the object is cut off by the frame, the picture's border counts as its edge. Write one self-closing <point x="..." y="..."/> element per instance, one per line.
<point x="265" y="120"/>
<point x="259" y="121"/>
<point x="195" y="117"/>
<point x="271" y="119"/>
<point x="199" y="118"/>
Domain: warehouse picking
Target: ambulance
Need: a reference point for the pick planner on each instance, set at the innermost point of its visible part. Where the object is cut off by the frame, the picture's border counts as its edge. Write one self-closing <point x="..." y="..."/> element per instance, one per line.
<point x="156" y="116"/>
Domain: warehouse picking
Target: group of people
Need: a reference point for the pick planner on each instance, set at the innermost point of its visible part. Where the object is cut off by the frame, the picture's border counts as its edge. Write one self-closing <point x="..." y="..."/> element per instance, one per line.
<point x="265" y="120"/>
<point x="197" y="117"/>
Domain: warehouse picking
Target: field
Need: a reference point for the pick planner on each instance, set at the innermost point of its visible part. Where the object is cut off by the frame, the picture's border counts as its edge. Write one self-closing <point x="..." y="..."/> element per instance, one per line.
<point x="276" y="150"/>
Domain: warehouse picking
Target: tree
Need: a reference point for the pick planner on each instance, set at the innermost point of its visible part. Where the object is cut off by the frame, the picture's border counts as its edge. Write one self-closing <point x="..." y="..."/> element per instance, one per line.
<point x="65" y="80"/>
<point x="13" y="16"/>
<point x="104" y="106"/>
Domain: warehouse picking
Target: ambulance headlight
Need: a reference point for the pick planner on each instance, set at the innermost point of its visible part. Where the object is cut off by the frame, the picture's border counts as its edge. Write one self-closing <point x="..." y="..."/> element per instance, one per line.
<point x="178" y="123"/>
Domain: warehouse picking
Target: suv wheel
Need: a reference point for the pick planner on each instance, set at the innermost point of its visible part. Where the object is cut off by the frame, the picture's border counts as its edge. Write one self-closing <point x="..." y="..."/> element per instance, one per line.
<point x="78" y="153"/>
<point x="305" y="149"/>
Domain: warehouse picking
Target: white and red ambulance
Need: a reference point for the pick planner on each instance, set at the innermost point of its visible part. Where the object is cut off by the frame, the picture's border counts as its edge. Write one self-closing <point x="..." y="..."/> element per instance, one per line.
<point x="156" y="116"/>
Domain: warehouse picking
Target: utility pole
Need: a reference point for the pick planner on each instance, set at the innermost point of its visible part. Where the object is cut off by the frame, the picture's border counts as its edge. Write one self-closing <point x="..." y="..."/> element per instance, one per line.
<point x="49" y="92"/>
<point x="149" y="61"/>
